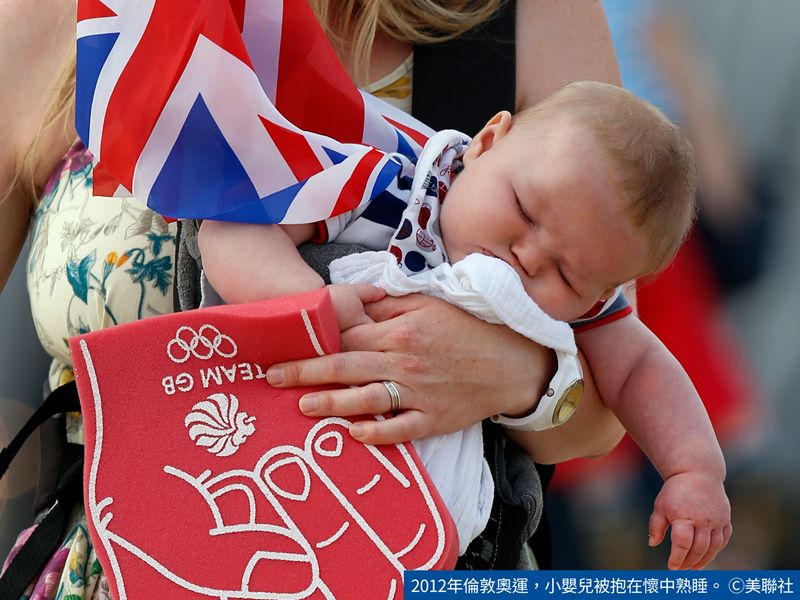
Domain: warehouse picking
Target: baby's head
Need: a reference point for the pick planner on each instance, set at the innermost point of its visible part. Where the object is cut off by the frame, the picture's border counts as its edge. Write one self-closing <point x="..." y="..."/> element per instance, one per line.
<point x="584" y="191"/>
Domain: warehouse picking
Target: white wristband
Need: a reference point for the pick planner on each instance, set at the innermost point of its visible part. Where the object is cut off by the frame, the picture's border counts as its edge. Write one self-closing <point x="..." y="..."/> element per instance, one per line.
<point x="559" y="401"/>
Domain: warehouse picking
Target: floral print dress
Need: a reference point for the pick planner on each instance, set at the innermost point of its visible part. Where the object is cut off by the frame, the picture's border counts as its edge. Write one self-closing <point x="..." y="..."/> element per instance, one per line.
<point x="94" y="263"/>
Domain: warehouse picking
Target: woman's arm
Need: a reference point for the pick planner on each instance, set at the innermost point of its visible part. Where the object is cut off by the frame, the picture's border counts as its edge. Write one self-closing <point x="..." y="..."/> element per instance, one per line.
<point x="559" y="41"/>
<point x="35" y="39"/>
<point x="592" y="431"/>
<point x="14" y="216"/>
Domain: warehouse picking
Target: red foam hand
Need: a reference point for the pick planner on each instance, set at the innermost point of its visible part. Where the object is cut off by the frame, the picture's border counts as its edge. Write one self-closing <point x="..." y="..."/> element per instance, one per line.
<point x="204" y="481"/>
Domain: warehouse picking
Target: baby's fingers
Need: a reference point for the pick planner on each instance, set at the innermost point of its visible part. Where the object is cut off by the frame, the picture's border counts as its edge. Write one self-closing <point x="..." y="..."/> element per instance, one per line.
<point x="657" y="528"/>
<point x="682" y="537"/>
<point x="717" y="544"/>
<point x="699" y="550"/>
<point x="727" y="531"/>
<point x="368" y="293"/>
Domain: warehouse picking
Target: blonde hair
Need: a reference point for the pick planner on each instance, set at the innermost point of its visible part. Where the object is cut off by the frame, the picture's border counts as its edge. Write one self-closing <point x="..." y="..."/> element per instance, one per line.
<point x="652" y="155"/>
<point x="59" y="112"/>
<point x="414" y="21"/>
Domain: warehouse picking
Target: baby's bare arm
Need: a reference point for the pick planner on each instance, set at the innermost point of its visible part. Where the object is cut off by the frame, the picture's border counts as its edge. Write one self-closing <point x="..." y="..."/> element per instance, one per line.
<point x="648" y="390"/>
<point x="247" y="262"/>
<point x="650" y="393"/>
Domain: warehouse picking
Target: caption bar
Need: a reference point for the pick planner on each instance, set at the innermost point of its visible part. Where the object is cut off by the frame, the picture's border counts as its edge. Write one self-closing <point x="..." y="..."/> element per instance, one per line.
<point x="441" y="585"/>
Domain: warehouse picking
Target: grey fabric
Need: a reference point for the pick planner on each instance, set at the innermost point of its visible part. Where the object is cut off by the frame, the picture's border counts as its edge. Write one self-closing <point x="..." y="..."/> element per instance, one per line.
<point x="517" y="508"/>
<point x="320" y="256"/>
<point x="188" y="265"/>
<point x="517" y="482"/>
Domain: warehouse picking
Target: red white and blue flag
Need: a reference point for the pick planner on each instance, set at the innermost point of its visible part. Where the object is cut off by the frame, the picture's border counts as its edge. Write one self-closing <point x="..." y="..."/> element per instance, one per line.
<point x="235" y="110"/>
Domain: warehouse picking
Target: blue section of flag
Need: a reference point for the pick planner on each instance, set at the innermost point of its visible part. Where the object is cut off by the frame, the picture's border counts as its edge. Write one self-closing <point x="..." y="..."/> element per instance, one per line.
<point x="202" y="175"/>
<point x="335" y="157"/>
<point x="271" y="209"/>
<point x="405" y="182"/>
<point x="388" y="173"/>
<point x="92" y="52"/>
<point x="386" y="209"/>
<point x="404" y="148"/>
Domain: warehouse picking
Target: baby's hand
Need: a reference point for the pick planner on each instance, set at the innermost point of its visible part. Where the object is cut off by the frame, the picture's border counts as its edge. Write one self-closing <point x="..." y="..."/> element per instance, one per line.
<point x="694" y="504"/>
<point x="348" y="301"/>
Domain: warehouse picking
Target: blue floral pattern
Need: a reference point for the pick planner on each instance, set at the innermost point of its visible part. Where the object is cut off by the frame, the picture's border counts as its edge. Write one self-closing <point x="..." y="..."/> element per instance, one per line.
<point x="94" y="262"/>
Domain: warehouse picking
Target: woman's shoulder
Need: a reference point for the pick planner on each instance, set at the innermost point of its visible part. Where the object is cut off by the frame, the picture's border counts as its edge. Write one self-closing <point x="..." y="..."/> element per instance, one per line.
<point x="39" y="37"/>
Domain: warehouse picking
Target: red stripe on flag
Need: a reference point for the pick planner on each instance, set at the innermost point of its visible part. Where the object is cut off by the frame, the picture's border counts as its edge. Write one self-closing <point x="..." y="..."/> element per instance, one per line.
<point x="353" y="190"/>
<point x="237" y="6"/>
<point x="93" y="9"/>
<point x="415" y="135"/>
<point x="294" y="150"/>
<point x="142" y="89"/>
<point x="314" y="91"/>
<point x="103" y="183"/>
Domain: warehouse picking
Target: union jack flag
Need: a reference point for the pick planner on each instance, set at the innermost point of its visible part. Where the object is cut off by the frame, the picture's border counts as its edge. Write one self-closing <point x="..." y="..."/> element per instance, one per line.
<point x="235" y="110"/>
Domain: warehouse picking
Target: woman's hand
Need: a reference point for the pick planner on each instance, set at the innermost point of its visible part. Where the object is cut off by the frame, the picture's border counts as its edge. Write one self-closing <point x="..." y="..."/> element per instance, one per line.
<point x="452" y="370"/>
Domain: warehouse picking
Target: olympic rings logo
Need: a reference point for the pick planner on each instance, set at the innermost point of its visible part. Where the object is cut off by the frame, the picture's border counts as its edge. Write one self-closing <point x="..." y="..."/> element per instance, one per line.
<point x="201" y="344"/>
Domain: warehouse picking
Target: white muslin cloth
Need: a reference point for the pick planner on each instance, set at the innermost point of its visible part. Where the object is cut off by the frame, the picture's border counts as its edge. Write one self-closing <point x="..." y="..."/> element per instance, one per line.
<point x="491" y="290"/>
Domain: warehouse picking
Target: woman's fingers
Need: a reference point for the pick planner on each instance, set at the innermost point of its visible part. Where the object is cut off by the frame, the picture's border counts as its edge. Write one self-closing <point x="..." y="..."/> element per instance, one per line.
<point x="371" y="337"/>
<point x="370" y="399"/>
<point x="428" y="348"/>
<point x="407" y="425"/>
<point x="345" y="368"/>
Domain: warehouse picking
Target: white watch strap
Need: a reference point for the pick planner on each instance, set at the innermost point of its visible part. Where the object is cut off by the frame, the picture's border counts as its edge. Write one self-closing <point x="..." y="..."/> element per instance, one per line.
<point x="559" y="401"/>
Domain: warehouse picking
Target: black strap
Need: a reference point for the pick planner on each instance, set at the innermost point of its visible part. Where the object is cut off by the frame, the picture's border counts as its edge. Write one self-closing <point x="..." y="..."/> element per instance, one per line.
<point x="541" y="543"/>
<point x="40" y="546"/>
<point x="62" y="399"/>
<point x="44" y="540"/>
<point x="462" y="83"/>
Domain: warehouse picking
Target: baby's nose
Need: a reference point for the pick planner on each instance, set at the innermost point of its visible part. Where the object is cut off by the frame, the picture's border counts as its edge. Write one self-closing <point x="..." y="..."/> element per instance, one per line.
<point x="528" y="257"/>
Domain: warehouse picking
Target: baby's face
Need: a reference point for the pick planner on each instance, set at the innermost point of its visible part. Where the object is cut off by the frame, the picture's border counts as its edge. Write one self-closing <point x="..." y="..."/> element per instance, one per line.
<point x="543" y="199"/>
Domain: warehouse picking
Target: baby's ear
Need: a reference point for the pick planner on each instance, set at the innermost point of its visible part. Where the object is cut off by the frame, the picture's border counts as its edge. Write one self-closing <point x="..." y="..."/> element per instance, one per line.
<point x="497" y="127"/>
